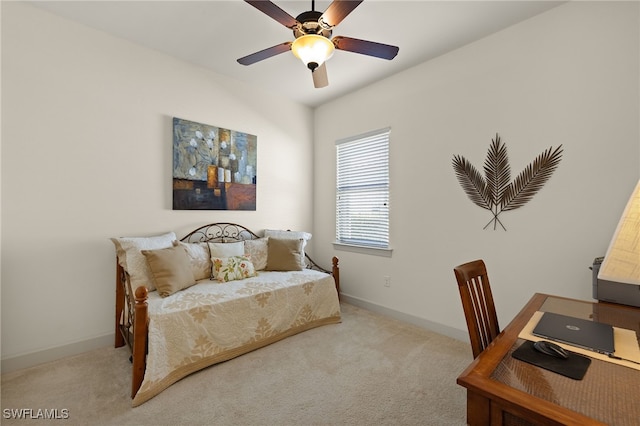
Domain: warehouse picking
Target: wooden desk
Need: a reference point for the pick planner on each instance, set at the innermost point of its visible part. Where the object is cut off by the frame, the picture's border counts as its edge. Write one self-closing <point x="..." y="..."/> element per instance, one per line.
<point x="502" y="390"/>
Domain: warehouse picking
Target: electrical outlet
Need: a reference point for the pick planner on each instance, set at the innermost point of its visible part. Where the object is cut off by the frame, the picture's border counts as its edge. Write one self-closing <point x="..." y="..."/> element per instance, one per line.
<point x="387" y="281"/>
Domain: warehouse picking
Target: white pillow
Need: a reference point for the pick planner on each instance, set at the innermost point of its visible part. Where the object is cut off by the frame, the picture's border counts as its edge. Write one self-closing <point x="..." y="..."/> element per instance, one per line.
<point x="130" y="257"/>
<point x="290" y="235"/>
<point x="287" y="235"/>
<point x="226" y="249"/>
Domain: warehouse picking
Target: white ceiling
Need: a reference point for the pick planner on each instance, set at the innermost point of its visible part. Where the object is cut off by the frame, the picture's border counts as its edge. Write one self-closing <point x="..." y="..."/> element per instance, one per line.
<point x="213" y="34"/>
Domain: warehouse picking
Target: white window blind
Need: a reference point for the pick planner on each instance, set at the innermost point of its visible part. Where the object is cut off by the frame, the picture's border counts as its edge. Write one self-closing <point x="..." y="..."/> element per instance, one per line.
<point x="362" y="204"/>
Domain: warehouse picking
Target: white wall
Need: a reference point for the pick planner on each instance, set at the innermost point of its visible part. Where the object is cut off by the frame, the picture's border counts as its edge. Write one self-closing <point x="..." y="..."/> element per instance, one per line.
<point x="87" y="155"/>
<point x="569" y="76"/>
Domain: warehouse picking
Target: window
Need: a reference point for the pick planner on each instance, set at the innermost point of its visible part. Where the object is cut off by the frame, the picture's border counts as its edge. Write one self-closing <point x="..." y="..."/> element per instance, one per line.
<point x="362" y="195"/>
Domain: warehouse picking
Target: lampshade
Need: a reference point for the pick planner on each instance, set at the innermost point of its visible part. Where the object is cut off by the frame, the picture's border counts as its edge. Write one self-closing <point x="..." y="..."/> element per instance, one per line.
<point x="312" y="49"/>
<point x="622" y="261"/>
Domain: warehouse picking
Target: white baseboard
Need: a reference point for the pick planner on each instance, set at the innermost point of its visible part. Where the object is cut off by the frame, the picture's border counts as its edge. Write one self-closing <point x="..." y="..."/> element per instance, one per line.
<point x="454" y="333"/>
<point x="40" y="357"/>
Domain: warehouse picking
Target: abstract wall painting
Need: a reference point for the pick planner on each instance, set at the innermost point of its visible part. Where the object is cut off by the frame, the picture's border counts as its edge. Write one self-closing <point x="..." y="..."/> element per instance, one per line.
<point x="213" y="168"/>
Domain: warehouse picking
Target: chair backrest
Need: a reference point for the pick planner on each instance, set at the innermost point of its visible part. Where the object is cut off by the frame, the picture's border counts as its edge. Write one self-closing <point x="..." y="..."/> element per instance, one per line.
<point x="478" y="305"/>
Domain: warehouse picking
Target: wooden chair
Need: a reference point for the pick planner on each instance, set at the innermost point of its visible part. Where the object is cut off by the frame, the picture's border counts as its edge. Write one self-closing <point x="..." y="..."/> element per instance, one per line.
<point x="477" y="302"/>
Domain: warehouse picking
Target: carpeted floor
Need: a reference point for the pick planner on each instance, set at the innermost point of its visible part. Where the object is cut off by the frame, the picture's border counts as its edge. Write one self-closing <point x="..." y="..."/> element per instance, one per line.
<point x="368" y="370"/>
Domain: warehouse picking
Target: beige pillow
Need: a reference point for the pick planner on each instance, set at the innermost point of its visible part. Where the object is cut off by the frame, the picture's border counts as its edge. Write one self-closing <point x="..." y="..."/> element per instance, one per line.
<point x="170" y="268"/>
<point x="284" y="255"/>
<point x="199" y="259"/>
<point x="133" y="261"/>
<point x="257" y="251"/>
<point x="291" y="235"/>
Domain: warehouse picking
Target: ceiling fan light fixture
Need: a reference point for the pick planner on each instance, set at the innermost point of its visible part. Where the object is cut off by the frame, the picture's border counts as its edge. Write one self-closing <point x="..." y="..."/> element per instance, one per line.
<point x="312" y="49"/>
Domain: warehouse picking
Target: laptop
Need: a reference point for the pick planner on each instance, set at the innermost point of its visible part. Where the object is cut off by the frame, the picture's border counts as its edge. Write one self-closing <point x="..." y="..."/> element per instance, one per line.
<point x="591" y="335"/>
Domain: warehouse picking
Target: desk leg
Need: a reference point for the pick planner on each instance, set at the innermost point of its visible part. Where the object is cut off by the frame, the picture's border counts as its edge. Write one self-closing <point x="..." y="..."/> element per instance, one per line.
<point x="478" y="410"/>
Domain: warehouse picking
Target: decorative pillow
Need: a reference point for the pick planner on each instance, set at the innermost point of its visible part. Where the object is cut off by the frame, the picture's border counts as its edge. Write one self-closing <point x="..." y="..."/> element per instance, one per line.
<point x="133" y="261"/>
<point x="170" y="268"/>
<point x="290" y="235"/>
<point x="199" y="258"/>
<point x="232" y="268"/>
<point x="257" y="251"/>
<point x="284" y="255"/>
<point x="226" y="249"/>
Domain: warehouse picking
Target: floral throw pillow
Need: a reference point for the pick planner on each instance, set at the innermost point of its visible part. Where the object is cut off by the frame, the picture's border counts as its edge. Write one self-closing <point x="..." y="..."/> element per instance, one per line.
<point x="232" y="268"/>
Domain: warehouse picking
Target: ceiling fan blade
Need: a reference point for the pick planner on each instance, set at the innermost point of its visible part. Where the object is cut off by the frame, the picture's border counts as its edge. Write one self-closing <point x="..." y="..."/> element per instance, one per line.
<point x="337" y="11"/>
<point x="379" y="50"/>
<point x="319" y="75"/>
<point x="269" y="8"/>
<point x="266" y="53"/>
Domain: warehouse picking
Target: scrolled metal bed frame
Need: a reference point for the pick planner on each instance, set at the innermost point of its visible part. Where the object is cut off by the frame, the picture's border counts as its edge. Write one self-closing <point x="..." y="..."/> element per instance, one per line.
<point x="132" y="319"/>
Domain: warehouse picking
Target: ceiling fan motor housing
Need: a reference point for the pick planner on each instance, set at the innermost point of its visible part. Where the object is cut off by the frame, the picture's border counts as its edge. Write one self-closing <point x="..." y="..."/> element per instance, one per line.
<point x="309" y="24"/>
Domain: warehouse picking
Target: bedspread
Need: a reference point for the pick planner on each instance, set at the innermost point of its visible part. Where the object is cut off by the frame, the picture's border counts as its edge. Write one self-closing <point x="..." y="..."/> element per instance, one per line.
<point x="213" y="322"/>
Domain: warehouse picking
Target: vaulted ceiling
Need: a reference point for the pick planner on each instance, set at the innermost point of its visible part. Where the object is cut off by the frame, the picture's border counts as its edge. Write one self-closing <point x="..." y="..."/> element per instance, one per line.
<point x="214" y="34"/>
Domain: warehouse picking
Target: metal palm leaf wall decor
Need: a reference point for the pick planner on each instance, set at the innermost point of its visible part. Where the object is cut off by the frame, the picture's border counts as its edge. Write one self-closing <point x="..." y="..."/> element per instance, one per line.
<point x="495" y="191"/>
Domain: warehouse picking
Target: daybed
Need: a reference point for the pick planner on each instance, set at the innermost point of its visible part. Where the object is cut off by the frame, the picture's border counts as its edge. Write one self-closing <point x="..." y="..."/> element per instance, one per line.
<point x="239" y="302"/>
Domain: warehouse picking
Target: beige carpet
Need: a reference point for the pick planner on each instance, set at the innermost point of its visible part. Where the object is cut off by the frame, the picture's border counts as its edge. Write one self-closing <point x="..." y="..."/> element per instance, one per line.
<point x="367" y="370"/>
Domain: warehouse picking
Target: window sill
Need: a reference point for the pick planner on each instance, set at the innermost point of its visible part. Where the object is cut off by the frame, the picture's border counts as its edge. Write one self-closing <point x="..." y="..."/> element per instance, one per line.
<point x="376" y="251"/>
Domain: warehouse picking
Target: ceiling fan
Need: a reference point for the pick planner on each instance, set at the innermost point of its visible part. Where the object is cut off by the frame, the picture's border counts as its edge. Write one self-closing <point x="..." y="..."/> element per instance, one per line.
<point x="313" y="43"/>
